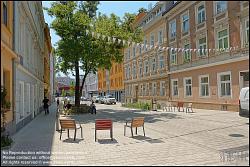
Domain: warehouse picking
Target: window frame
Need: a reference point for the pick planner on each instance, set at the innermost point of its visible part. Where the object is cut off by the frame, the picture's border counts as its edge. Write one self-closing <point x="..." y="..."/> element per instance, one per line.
<point x="160" y="37"/>
<point x="182" y="23"/>
<point x="198" y="46"/>
<point x="173" y="87"/>
<point x="185" y="86"/>
<point x="162" y="85"/>
<point x="200" y="12"/>
<point x="222" y="38"/>
<point x="219" y="84"/>
<point x="170" y="29"/>
<point x="200" y="86"/>
<point x="171" y="56"/>
<point x="216" y="7"/>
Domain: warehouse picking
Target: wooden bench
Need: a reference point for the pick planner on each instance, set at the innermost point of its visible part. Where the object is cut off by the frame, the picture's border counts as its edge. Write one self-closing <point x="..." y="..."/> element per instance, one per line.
<point x="136" y="122"/>
<point x="104" y="124"/>
<point x="69" y="124"/>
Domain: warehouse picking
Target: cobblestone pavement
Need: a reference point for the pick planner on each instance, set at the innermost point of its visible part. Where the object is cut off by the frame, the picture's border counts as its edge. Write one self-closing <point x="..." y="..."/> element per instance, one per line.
<point x="204" y="137"/>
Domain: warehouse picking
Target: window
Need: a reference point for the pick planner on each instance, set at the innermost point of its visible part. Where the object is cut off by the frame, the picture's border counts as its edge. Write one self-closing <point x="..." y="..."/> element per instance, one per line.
<point x="224" y="84"/>
<point x="175" y="87"/>
<point x="152" y="40"/>
<point x="153" y="65"/>
<point x="21" y="99"/>
<point x="141" y="92"/>
<point x="134" y="49"/>
<point x="161" y="61"/>
<point x="185" y="23"/>
<point x="172" y="29"/>
<point x="201" y="14"/>
<point x="154" y="86"/>
<point x="162" y="88"/>
<point x="146" y="67"/>
<point x="173" y="56"/>
<point x="160" y="38"/>
<point x="145" y="43"/>
<point x="144" y="90"/>
<point x="187" y="87"/>
<point x="204" y="86"/>
<point x="187" y="55"/>
<point x="202" y="46"/>
<point x="134" y="70"/>
<point x="129" y="73"/>
<point x="221" y="6"/>
<point x="223" y="39"/>
<point x="140" y="50"/>
<point x="140" y="66"/>
<point x="5" y="13"/>
<point x="147" y="89"/>
<point x="247" y="31"/>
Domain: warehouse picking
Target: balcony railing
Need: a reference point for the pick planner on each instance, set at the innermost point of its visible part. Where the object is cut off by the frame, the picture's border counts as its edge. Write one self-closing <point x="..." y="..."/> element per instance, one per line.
<point x="218" y="57"/>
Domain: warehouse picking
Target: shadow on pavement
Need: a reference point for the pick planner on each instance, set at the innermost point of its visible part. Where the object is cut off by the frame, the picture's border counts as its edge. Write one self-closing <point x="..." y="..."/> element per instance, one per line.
<point x="107" y="141"/>
<point x="71" y="140"/>
<point x="147" y="139"/>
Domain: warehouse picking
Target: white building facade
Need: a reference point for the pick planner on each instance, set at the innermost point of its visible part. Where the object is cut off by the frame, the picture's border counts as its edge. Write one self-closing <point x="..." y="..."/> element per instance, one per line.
<point x="91" y="85"/>
<point x="29" y="69"/>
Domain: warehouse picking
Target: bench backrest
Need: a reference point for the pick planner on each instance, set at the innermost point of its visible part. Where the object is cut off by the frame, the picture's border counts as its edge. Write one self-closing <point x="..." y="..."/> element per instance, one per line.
<point x="67" y="123"/>
<point x="103" y="124"/>
<point x="137" y="122"/>
<point x="180" y="104"/>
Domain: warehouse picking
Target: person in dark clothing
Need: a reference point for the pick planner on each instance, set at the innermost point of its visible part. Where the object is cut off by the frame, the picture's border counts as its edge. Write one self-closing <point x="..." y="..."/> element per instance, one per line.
<point x="57" y="102"/>
<point x="93" y="108"/>
<point x="68" y="106"/>
<point x="46" y="105"/>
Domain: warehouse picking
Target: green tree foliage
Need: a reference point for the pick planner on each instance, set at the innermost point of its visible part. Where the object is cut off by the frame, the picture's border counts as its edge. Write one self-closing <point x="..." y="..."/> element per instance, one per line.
<point x="142" y="10"/>
<point x="72" y="89"/>
<point x="78" y="50"/>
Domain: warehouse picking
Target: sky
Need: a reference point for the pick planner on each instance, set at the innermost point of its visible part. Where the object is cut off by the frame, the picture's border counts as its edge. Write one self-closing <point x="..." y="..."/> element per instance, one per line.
<point x="106" y="7"/>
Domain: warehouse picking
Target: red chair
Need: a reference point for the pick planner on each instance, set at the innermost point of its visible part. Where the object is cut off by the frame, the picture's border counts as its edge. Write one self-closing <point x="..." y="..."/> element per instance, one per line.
<point x="104" y="124"/>
<point x="179" y="105"/>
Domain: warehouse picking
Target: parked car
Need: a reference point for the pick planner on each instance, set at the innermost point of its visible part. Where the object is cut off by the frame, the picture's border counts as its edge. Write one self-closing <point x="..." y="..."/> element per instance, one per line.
<point x="96" y="99"/>
<point x="101" y="100"/>
<point x="83" y="98"/>
<point x="109" y="99"/>
<point x="244" y="102"/>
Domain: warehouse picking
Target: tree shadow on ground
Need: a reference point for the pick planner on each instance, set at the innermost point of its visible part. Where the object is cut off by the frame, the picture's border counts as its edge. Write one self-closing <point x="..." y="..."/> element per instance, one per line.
<point x="147" y="139"/>
<point x="121" y="116"/>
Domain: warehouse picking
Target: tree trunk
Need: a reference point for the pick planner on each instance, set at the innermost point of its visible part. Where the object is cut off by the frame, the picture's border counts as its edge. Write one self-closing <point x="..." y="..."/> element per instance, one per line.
<point x="83" y="81"/>
<point x="77" y="92"/>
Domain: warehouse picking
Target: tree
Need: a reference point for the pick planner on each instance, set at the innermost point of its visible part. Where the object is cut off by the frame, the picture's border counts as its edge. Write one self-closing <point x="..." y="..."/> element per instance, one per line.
<point x="72" y="89"/>
<point x="142" y="10"/>
<point x="78" y="50"/>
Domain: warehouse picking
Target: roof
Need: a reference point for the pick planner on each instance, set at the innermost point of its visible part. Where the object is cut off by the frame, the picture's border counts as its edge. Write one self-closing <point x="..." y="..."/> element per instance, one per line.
<point x="170" y="6"/>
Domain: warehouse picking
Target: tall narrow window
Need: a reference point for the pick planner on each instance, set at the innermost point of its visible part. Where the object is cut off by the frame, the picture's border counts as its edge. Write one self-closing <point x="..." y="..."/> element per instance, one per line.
<point x="201" y="14"/>
<point x="172" y="29"/>
<point x="153" y="65"/>
<point x="204" y="86"/>
<point x="5" y="13"/>
<point x="152" y="40"/>
<point x="247" y="31"/>
<point x="175" y="87"/>
<point x="202" y="46"/>
<point x="154" y="87"/>
<point x="173" y="57"/>
<point x="160" y="37"/>
<point x="223" y="39"/>
<point x="145" y="43"/>
<point x="225" y="84"/>
<point x="188" y="86"/>
<point x="134" y="50"/>
<point x="162" y="88"/>
<point x="161" y="61"/>
<point x="185" y="23"/>
<point x="187" y="55"/>
<point x="140" y="66"/>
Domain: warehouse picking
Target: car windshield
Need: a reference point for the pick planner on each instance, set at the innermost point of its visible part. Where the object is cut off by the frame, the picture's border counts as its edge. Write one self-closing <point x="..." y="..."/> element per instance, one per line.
<point x="110" y="96"/>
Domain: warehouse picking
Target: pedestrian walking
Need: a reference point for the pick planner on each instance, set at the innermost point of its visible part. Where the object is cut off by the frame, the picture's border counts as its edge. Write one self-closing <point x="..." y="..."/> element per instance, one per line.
<point x="57" y="102"/>
<point x="46" y="105"/>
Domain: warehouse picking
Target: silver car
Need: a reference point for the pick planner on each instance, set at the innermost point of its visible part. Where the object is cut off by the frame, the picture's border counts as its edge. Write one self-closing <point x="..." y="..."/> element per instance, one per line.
<point x="109" y="99"/>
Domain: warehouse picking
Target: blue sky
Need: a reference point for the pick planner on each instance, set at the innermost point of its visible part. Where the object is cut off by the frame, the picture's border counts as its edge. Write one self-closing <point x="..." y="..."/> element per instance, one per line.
<point x="106" y="7"/>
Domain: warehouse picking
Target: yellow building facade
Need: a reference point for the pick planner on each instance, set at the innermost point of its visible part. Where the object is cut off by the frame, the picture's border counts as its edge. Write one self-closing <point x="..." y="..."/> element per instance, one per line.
<point x="111" y="82"/>
<point x="7" y="56"/>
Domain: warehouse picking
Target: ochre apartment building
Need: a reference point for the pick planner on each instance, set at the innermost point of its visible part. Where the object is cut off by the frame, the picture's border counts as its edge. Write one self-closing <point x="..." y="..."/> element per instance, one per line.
<point x="111" y="81"/>
<point x="7" y="58"/>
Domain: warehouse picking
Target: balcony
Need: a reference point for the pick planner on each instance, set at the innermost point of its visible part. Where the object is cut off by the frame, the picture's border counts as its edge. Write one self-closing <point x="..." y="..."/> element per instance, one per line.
<point x="215" y="58"/>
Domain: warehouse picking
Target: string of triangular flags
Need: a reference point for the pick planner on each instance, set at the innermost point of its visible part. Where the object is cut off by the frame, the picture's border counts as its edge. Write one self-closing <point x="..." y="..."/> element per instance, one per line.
<point x="134" y="44"/>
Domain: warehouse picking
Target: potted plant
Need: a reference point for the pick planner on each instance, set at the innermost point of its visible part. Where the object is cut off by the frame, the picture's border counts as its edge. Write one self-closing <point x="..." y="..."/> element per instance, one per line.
<point x="6" y="141"/>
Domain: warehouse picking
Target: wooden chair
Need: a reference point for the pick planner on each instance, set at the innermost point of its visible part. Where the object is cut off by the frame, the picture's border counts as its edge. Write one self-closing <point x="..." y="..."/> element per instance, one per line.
<point x="136" y="122"/>
<point x="104" y="124"/>
<point x="69" y="124"/>
<point x="189" y="107"/>
<point x="179" y="105"/>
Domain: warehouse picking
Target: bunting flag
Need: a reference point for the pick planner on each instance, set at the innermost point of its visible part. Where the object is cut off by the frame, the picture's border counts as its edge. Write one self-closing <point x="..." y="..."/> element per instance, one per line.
<point x="93" y="34"/>
<point x="124" y="42"/>
<point x="98" y="35"/>
<point x="167" y="48"/>
<point x="119" y="41"/>
<point x="209" y="50"/>
<point x="191" y="50"/>
<point x="108" y="39"/>
<point x="87" y="32"/>
<point x="179" y="49"/>
<point x="175" y="49"/>
<point x="114" y="39"/>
